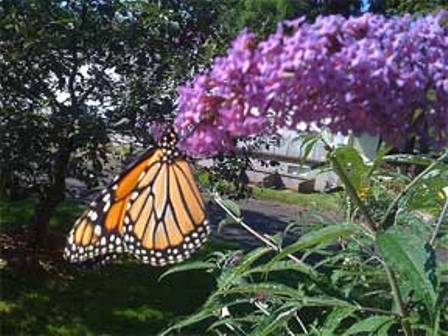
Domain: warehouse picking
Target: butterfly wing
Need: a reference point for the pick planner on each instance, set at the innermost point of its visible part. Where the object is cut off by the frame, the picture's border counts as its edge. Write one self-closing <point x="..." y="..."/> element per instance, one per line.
<point x="165" y="220"/>
<point x="98" y="233"/>
<point x="154" y="211"/>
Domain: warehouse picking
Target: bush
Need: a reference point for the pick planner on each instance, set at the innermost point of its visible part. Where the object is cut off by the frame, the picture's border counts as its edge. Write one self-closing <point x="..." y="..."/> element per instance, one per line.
<point x="375" y="273"/>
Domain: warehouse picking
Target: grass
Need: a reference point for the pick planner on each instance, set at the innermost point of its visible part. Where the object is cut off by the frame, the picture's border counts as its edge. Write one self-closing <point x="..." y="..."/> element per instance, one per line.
<point x="313" y="201"/>
<point x="120" y="299"/>
<point x="14" y="214"/>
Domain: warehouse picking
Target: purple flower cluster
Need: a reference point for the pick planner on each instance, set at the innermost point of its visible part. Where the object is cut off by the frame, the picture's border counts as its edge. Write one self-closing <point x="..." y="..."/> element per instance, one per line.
<point x="369" y="74"/>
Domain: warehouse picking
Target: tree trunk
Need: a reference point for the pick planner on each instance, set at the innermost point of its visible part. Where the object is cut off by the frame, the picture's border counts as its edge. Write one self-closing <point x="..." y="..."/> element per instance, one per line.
<point x="53" y="195"/>
<point x="44" y="211"/>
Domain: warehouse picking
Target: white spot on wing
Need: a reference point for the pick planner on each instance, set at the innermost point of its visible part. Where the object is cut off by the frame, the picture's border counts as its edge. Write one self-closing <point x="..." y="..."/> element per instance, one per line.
<point x="97" y="230"/>
<point x="106" y="207"/>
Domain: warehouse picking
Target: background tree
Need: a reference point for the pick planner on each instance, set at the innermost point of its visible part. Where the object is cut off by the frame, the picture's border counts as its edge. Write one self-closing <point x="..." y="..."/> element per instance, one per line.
<point x="75" y="72"/>
<point x="406" y="6"/>
<point x="262" y="17"/>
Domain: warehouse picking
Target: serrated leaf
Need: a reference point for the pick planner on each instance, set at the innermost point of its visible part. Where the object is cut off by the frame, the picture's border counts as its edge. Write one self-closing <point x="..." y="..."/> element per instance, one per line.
<point x="250" y="258"/>
<point x="232" y="275"/>
<point x="334" y="319"/>
<point x="319" y="301"/>
<point x="197" y="265"/>
<point x="322" y="236"/>
<point x="286" y="265"/>
<point x="200" y="316"/>
<point x="252" y="319"/>
<point x="266" y="288"/>
<point x="272" y="323"/>
<point x="371" y="324"/>
<point x="413" y="260"/>
<point x="384" y="329"/>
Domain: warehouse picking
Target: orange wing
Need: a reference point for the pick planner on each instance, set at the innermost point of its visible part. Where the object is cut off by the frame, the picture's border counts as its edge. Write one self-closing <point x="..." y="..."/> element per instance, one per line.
<point x="153" y="211"/>
<point x="166" y="220"/>
<point x="98" y="234"/>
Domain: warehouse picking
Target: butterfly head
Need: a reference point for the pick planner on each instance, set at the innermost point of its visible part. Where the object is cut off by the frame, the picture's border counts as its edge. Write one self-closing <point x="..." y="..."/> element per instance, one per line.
<point x="168" y="145"/>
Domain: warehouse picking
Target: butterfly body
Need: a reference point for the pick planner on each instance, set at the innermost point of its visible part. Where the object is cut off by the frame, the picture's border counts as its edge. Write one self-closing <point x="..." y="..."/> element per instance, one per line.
<point x="153" y="211"/>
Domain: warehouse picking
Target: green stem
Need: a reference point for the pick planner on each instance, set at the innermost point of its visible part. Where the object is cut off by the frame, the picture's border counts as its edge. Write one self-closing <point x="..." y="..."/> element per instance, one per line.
<point x="398" y="301"/>
<point x="386" y="222"/>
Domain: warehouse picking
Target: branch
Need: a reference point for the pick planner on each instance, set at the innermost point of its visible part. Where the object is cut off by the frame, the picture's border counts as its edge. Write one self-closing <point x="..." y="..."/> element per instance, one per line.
<point x="71" y="80"/>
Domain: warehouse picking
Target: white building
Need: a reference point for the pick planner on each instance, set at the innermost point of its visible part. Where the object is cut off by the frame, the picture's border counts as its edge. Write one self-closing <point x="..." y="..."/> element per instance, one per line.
<point x="305" y="174"/>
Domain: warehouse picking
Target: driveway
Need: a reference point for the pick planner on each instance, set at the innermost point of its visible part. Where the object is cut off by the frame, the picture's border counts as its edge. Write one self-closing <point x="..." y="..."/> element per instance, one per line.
<point x="266" y="217"/>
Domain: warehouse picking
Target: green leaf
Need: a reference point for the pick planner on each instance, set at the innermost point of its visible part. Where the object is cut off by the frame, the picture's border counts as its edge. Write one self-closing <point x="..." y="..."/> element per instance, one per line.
<point x="272" y="323"/>
<point x="335" y="318"/>
<point x="413" y="260"/>
<point x="379" y="159"/>
<point x="200" y="316"/>
<point x="428" y="193"/>
<point x="371" y="324"/>
<point x="250" y="258"/>
<point x="353" y="164"/>
<point x="307" y="145"/>
<point x="235" y="321"/>
<point x="318" y="301"/>
<point x="198" y="265"/>
<point x="286" y="265"/>
<point x="384" y="329"/>
<point x="233" y="207"/>
<point x="323" y="236"/>
<point x="232" y="275"/>
<point x="266" y="288"/>
<point x="409" y="159"/>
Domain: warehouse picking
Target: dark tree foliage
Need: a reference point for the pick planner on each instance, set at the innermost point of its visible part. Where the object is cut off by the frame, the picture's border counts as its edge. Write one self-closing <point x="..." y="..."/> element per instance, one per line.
<point x="75" y="72"/>
<point x="262" y="16"/>
<point x="407" y="6"/>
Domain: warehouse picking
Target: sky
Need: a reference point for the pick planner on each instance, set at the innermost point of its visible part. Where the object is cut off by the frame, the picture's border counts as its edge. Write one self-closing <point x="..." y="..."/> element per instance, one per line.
<point x="365" y="5"/>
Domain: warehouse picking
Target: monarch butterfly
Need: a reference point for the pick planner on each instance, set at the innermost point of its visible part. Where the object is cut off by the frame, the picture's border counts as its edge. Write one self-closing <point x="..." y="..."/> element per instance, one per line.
<point x="153" y="211"/>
